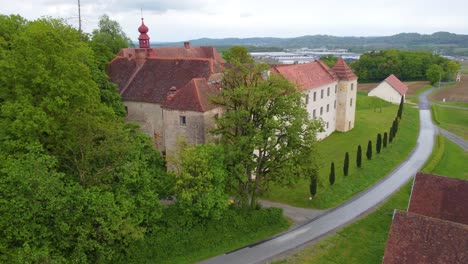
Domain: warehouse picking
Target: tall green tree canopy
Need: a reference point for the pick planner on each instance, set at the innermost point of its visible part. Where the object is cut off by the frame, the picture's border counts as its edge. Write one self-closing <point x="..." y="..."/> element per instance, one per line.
<point x="265" y="129"/>
<point x="77" y="183"/>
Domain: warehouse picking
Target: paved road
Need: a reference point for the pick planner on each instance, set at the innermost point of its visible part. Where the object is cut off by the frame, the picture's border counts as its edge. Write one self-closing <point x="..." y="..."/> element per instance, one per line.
<point x="452" y="106"/>
<point x="455" y="139"/>
<point x="297" y="214"/>
<point x="348" y="211"/>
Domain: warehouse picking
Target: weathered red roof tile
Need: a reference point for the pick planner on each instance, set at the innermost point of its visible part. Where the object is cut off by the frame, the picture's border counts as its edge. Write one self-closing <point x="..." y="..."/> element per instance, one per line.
<point x="397" y="84"/>
<point x="420" y="239"/>
<point x="307" y="75"/>
<point x="193" y="97"/>
<point x="152" y="81"/>
<point x="440" y="197"/>
<point x="343" y="71"/>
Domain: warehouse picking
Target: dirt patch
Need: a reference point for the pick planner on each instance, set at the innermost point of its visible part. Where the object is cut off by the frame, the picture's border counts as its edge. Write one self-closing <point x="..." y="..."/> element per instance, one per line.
<point x="456" y="93"/>
<point x="412" y="86"/>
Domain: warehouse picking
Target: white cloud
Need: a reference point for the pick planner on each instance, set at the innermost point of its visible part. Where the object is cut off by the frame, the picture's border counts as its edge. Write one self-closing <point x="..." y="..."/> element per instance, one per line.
<point x="175" y="20"/>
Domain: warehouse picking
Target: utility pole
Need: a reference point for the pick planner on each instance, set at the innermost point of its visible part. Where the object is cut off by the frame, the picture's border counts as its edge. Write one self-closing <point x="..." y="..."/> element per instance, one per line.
<point x="440" y="78"/>
<point x="79" y="19"/>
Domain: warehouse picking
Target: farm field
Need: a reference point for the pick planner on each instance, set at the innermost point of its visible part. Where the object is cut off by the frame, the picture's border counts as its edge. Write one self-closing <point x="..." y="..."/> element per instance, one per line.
<point x="456" y="93"/>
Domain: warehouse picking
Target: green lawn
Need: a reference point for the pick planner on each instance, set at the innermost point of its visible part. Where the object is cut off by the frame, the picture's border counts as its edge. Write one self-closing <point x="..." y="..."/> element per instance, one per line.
<point x="372" y="116"/>
<point x="453" y="119"/>
<point x="364" y="241"/>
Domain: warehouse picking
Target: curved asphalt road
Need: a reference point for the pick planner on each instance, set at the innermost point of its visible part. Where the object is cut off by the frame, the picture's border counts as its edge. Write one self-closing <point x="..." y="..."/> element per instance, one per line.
<point x="348" y="211"/>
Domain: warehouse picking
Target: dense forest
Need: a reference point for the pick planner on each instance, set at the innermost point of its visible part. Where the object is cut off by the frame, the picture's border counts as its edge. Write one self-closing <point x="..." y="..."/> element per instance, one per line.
<point x="441" y="42"/>
<point x="406" y="65"/>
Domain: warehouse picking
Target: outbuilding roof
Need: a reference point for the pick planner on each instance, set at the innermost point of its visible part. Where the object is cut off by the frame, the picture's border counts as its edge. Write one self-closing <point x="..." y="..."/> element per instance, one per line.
<point x="397" y="84"/>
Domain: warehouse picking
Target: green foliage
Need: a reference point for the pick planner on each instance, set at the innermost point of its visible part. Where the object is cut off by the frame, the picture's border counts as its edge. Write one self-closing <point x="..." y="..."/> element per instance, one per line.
<point x="390" y="138"/>
<point x="175" y="243"/>
<point x="110" y="34"/>
<point x="378" y="145"/>
<point x="331" y="177"/>
<point x="375" y="66"/>
<point x="82" y="182"/>
<point x="400" y="107"/>
<point x="265" y="130"/>
<point x="359" y="156"/>
<point x="346" y="164"/>
<point x="385" y="138"/>
<point x="369" y="150"/>
<point x="237" y="55"/>
<point x="329" y="60"/>
<point x="313" y="187"/>
<point x="200" y="182"/>
<point x="434" y="73"/>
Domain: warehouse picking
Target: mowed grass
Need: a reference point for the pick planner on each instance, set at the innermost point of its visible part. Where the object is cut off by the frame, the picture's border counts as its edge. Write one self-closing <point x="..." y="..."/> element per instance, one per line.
<point x="372" y="116"/>
<point x="453" y="119"/>
<point x="364" y="241"/>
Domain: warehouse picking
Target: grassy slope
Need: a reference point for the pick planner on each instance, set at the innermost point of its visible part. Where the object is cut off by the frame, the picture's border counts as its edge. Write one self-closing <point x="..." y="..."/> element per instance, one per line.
<point x="372" y="116"/>
<point x="364" y="241"/>
<point x="453" y="120"/>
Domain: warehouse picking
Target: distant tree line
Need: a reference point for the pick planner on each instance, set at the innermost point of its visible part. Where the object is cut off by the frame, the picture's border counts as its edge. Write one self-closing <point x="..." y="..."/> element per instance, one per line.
<point x="375" y="66"/>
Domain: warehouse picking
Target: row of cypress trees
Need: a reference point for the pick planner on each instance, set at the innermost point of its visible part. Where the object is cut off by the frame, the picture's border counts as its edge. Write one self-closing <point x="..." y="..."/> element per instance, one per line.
<point x="380" y="142"/>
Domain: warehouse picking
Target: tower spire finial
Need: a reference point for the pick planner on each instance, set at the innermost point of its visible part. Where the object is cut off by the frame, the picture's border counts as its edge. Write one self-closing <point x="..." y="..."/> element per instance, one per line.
<point x="143" y="38"/>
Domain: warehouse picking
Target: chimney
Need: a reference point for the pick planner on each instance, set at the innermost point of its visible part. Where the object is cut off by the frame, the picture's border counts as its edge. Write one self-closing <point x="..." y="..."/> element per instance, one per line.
<point x="171" y="93"/>
<point x="187" y="45"/>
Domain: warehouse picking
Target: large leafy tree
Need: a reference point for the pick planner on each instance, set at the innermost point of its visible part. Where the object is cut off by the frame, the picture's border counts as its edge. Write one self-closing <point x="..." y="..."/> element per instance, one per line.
<point x="264" y="129"/>
<point x="77" y="184"/>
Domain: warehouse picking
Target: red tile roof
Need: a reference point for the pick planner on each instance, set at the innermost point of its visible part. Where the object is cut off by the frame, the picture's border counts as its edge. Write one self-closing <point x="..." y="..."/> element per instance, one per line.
<point x="440" y="197"/>
<point x="151" y="82"/>
<point x="193" y="97"/>
<point x="343" y="71"/>
<point x="419" y="239"/>
<point x="397" y="84"/>
<point x="308" y="75"/>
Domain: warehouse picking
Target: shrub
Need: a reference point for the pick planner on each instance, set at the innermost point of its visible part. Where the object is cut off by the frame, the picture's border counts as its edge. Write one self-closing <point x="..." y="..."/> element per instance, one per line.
<point x="369" y="150"/>
<point x="331" y="177"/>
<point x="385" y="137"/>
<point x="378" y="145"/>
<point x="313" y="186"/>
<point x="359" y="156"/>
<point x="346" y="164"/>
<point x="390" y="138"/>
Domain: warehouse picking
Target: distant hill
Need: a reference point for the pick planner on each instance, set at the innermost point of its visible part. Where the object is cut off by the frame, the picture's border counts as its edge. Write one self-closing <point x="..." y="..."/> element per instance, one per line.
<point x="444" y="43"/>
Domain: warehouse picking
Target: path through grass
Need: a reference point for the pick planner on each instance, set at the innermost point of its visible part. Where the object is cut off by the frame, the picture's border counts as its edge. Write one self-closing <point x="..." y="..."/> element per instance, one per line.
<point x="364" y="241"/>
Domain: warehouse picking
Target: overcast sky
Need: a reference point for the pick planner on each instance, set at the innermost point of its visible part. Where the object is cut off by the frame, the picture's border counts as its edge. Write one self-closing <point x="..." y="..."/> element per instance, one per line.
<point x="179" y="20"/>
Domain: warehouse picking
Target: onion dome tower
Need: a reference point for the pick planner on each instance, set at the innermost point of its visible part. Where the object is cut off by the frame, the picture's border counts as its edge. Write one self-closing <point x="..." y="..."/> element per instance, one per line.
<point x="143" y="38"/>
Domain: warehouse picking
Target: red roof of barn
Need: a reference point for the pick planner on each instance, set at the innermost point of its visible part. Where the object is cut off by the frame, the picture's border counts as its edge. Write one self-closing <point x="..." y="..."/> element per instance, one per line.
<point x="440" y="197"/>
<point x="343" y="71"/>
<point x="307" y="75"/>
<point x="193" y="97"/>
<point x="416" y="238"/>
<point x="397" y="84"/>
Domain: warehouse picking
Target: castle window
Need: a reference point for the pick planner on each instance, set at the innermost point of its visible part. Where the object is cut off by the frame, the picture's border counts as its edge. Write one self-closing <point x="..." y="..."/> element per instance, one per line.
<point x="315" y="96"/>
<point x="307" y="99"/>
<point x="314" y="114"/>
<point x="352" y="86"/>
<point x="328" y="108"/>
<point x="321" y="94"/>
<point x="334" y="105"/>
<point x="336" y="87"/>
<point x="328" y="91"/>
<point x="321" y="110"/>
<point x="351" y="102"/>
<point x="182" y="120"/>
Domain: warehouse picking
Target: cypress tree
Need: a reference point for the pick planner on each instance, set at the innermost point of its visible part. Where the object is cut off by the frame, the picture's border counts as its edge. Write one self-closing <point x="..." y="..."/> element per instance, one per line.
<point x="378" y="145"/>
<point x="369" y="150"/>
<point x="385" y="137"/>
<point x="331" y="177"/>
<point x="400" y="108"/>
<point x="358" y="156"/>
<point x="396" y="126"/>
<point x="390" y="138"/>
<point x="313" y="186"/>
<point x="346" y="164"/>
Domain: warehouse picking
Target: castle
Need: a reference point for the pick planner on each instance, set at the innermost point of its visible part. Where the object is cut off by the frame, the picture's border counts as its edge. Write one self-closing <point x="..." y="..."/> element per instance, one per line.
<point x="166" y="90"/>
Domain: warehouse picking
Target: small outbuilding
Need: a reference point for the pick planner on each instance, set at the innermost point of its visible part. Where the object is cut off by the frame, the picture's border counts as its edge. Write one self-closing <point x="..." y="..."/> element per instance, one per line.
<point x="390" y="90"/>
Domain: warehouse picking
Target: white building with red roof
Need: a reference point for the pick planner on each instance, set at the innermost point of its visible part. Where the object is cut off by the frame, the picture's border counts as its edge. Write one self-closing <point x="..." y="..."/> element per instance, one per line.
<point x="390" y="90"/>
<point x="330" y="93"/>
